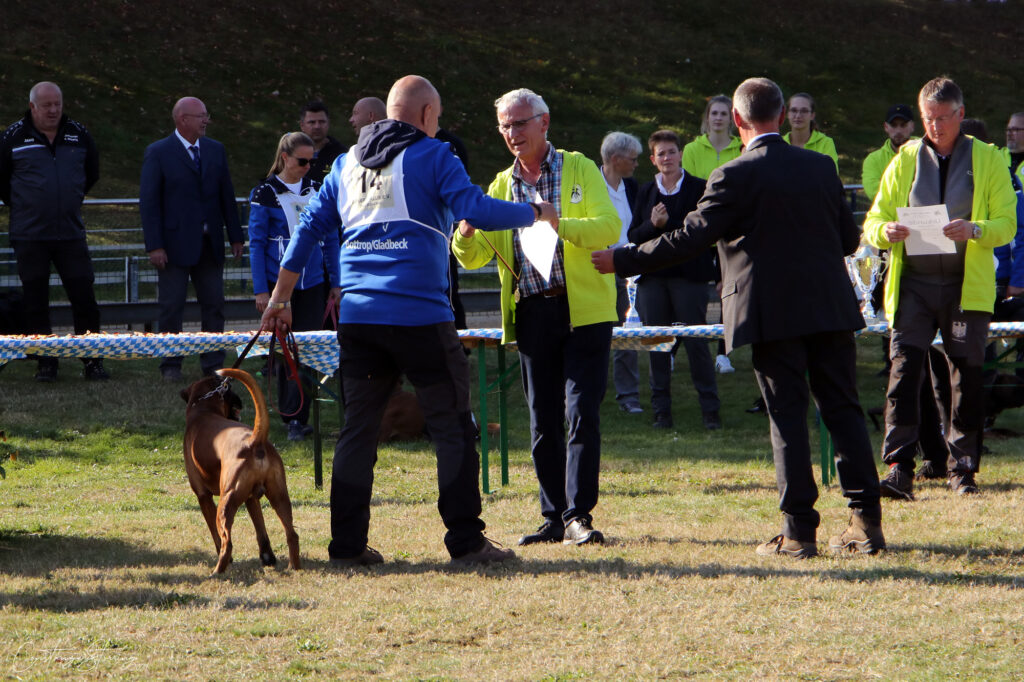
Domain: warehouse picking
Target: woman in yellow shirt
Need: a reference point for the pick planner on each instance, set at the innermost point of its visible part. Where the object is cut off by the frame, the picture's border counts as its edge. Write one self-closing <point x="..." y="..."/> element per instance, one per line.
<point x="717" y="143"/>
<point x="803" y="131"/>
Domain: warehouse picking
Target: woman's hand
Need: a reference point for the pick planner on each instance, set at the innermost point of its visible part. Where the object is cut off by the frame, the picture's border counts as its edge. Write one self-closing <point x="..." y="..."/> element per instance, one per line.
<point x="659" y="215"/>
<point x="261" y="302"/>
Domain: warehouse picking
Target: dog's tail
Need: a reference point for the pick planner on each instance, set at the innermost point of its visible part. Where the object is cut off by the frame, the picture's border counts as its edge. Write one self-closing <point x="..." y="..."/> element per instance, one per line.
<point x="261" y="424"/>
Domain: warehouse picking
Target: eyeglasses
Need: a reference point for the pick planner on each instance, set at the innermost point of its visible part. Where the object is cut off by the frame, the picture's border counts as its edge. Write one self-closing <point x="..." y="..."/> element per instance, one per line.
<point x="1014" y="131"/>
<point x="301" y="161"/>
<point x="506" y="127"/>
<point x="928" y="120"/>
<point x="203" y="115"/>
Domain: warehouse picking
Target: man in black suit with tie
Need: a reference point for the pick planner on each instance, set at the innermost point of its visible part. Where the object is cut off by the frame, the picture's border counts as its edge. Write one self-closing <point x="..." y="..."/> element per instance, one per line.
<point x="783" y="226"/>
<point x="186" y="199"/>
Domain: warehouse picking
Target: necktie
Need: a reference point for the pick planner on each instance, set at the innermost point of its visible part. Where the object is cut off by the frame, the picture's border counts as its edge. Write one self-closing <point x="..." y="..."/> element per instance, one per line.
<point x="194" y="149"/>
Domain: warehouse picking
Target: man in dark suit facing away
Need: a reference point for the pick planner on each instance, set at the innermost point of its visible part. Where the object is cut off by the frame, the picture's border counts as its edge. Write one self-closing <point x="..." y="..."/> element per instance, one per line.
<point x="783" y="226"/>
<point x="186" y="199"/>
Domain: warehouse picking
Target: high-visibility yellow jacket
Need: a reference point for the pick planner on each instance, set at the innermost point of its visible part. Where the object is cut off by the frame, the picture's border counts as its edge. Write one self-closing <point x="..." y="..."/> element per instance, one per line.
<point x="700" y="157"/>
<point x="821" y="143"/>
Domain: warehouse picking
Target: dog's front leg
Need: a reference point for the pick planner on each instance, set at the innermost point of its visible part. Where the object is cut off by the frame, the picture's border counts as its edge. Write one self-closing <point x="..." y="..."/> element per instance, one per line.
<point x="256" y="514"/>
<point x="229" y="503"/>
<point x="209" y="510"/>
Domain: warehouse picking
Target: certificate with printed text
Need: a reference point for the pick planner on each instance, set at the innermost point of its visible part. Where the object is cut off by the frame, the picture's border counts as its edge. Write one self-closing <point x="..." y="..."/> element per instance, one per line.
<point x="926" y="223"/>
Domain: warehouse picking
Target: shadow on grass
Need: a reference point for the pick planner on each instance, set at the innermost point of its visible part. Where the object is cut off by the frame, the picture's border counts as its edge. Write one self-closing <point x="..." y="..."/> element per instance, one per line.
<point x="847" y="569"/>
<point x="73" y="600"/>
<point x="34" y="554"/>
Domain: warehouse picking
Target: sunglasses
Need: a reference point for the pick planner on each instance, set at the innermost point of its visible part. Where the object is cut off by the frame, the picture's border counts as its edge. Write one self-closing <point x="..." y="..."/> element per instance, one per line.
<point x="301" y="161"/>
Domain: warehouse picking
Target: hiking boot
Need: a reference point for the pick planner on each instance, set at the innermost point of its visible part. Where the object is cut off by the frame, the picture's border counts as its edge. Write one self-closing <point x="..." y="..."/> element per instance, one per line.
<point x="963" y="483"/>
<point x="863" y="536"/>
<point x="550" y="531"/>
<point x="581" y="532"/>
<point x="487" y="553"/>
<point x="368" y="557"/>
<point x="723" y="365"/>
<point x="663" y="421"/>
<point x="712" y="422"/>
<point x="930" y="471"/>
<point x="297" y="430"/>
<point x="780" y="544"/>
<point x="93" y="370"/>
<point x="897" y="484"/>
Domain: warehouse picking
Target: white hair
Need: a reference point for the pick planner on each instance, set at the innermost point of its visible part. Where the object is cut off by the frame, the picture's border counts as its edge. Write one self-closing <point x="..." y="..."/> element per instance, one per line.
<point x="618" y="143"/>
<point x="522" y="96"/>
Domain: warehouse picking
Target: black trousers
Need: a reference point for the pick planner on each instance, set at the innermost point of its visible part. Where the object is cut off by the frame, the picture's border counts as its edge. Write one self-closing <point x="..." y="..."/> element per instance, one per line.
<point x="922" y="311"/>
<point x="565" y="375"/>
<point x="172" y="287"/>
<point x="70" y="257"/>
<point x="828" y="361"/>
<point x="431" y="357"/>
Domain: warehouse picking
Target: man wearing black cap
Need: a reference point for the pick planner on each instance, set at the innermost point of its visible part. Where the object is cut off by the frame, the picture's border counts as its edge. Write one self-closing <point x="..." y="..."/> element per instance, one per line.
<point x="899" y="126"/>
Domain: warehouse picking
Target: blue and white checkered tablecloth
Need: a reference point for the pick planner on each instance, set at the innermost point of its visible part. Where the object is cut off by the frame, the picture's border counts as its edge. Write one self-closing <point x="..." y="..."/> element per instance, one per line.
<point x="319" y="350"/>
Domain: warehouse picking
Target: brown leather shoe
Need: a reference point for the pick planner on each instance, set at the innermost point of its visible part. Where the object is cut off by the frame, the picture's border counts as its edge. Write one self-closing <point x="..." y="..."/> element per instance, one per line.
<point x="368" y="557"/>
<point x="780" y="544"/>
<point x="487" y="553"/>
<point x="862" y="536"/>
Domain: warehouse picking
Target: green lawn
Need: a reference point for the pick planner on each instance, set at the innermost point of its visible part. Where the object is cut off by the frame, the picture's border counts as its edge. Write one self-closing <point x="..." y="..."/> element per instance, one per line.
<point x="105" y="560"/>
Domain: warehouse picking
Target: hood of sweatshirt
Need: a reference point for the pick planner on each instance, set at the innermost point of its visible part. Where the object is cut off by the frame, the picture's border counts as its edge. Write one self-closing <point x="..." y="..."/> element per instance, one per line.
<point x="380" y="142"/>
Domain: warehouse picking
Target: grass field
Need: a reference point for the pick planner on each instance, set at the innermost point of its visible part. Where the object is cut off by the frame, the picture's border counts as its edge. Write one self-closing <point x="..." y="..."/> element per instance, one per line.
<point x="105" y="560"/>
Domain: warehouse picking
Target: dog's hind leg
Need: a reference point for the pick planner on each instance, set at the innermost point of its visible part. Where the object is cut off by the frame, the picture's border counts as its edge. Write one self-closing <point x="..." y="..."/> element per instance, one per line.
<point x="226" y="510"/>
<point x="277" y="495"/>
<point x="267" y="557"/>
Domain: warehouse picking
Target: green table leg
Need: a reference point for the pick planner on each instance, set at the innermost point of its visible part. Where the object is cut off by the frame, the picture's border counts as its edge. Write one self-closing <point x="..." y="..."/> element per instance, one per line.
<point x="828" y="454"/>
<point x="485" y="483"/>
<point x="318" y="468"/>
<point x="502" y="415"/>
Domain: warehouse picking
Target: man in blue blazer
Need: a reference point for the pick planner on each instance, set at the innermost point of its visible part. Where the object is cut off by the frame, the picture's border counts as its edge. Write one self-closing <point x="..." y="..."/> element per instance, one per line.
<point x="186" y="199"/>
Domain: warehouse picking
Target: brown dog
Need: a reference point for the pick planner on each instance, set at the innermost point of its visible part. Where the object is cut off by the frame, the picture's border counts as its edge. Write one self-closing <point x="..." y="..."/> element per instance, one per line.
<point x="225" y="458"/>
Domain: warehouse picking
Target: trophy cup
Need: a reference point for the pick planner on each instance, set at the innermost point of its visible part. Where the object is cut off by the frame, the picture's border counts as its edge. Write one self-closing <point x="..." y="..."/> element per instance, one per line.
<point x="865" y="268"/>
<point x="632" y="318"/>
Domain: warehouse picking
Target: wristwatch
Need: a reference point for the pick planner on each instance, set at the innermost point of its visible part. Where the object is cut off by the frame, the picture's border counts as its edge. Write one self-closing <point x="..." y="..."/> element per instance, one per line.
<point x="279" y="305"/>
<point x="977" y="232"/>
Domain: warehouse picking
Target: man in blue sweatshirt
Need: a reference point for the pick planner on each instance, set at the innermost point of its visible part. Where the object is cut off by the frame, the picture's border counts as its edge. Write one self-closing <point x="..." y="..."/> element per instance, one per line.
<point x="395" y="196"/>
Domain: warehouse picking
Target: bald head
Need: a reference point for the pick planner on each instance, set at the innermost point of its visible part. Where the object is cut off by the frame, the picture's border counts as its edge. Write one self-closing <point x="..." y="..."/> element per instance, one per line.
<point x="366" y="111"/>
<point x="415" y="101"/>
<point x="190" y="118"/>
<point x="46" y="104"/>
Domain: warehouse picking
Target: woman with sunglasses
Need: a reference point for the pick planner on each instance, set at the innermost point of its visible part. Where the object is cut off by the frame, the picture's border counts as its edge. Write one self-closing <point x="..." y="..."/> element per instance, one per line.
<point x="275" y="206"/>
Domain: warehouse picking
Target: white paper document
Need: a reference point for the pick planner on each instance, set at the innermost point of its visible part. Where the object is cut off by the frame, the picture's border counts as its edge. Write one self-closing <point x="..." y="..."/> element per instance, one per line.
<point x="926" y="223"/>
<point x="539" y="242"/>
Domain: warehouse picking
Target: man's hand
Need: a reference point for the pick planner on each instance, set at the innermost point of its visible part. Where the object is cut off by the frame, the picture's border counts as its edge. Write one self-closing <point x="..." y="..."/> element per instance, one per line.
<point x="659" y="215"/>
<point x="158" y="258"/>
<point x="334" y="297"/>
<point x="604" y="261"/>
<point x="1014" y="291"/>
<point x="466" y="230"/>
<point x="959" y="230"/>
<point x="236" y="249"/>
<point x="548" y="214"/>
<point x="895" y="233"/>
<point x="261" y="301"/>
<point x="276" y="318"/>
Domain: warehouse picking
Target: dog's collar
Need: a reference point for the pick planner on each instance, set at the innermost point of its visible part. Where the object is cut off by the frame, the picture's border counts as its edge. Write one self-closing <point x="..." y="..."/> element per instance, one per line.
<point x="221" y="389"/>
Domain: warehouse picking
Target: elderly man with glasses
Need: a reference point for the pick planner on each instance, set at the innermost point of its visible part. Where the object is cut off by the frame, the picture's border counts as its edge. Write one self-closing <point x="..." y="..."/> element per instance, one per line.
<point x="557" y="308"/>
<point x="952" y="290"/>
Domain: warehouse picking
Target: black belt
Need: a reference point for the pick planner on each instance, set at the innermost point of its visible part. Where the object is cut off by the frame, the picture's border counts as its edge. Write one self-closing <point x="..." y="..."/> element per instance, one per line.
<point x="553" y="292"/>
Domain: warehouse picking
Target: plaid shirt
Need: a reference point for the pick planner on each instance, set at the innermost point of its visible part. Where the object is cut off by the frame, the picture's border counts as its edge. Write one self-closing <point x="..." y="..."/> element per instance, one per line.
<point x="549" y="188"/>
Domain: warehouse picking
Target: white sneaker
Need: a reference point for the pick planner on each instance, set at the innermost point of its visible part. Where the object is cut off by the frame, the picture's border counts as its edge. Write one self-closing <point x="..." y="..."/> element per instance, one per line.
<point x="723" y="365"/>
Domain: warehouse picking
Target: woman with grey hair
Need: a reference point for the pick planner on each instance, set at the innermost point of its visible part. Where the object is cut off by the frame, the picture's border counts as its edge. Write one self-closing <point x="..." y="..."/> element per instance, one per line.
<point x="619" y="153"/>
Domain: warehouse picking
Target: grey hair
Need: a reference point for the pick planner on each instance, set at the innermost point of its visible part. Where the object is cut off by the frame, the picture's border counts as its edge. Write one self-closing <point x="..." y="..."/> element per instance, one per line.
<point x="617" y="143"/>
<point x="758" y="100"/>
<point x="34" y="92"/>
<point x="942" y="90"/>
<point x="522" y="96"/>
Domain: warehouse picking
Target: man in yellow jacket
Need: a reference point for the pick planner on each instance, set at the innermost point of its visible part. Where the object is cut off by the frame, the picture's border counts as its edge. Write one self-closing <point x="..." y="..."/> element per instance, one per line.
<point x="562" y="320"/>
<point x="950" y="292"/>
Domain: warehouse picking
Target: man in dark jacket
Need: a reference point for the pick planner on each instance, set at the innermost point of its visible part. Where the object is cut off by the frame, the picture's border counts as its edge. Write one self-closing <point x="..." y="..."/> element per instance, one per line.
<point x="47" y="164"/>
<point x="783" y="226"/>
<point x="315" y="121"/>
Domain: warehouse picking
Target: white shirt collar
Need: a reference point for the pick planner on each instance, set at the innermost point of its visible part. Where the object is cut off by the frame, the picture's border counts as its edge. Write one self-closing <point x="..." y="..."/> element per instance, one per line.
<point x="661" y="187"/>
<point x="759" y="137"/>
<point x="185" y="142"/>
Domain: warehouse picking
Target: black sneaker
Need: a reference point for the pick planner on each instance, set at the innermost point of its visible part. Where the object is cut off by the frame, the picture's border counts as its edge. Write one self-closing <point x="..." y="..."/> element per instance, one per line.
<point x="758" y="407"/>
<point x="663" y="421"/>
<point x="46" y="372"/>
<point x="580" y="532"/>
<point x="297" y="430"/>
<point x="93" y="370"/>
<point x="897" y="484"/>
<point x="930" y="471"/>
<point x="963" y="483"/>
<point x="712" y="422"/>
<point x="550" y="531"/>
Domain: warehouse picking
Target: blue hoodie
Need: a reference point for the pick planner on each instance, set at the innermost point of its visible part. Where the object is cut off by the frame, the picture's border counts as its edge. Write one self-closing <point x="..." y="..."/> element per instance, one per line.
<point x="395" y="196"/>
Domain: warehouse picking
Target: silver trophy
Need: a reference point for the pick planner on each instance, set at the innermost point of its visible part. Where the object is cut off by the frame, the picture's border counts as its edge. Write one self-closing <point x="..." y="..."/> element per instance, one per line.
<point x="632" y="318"/>
<point x="865" y="267"/>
